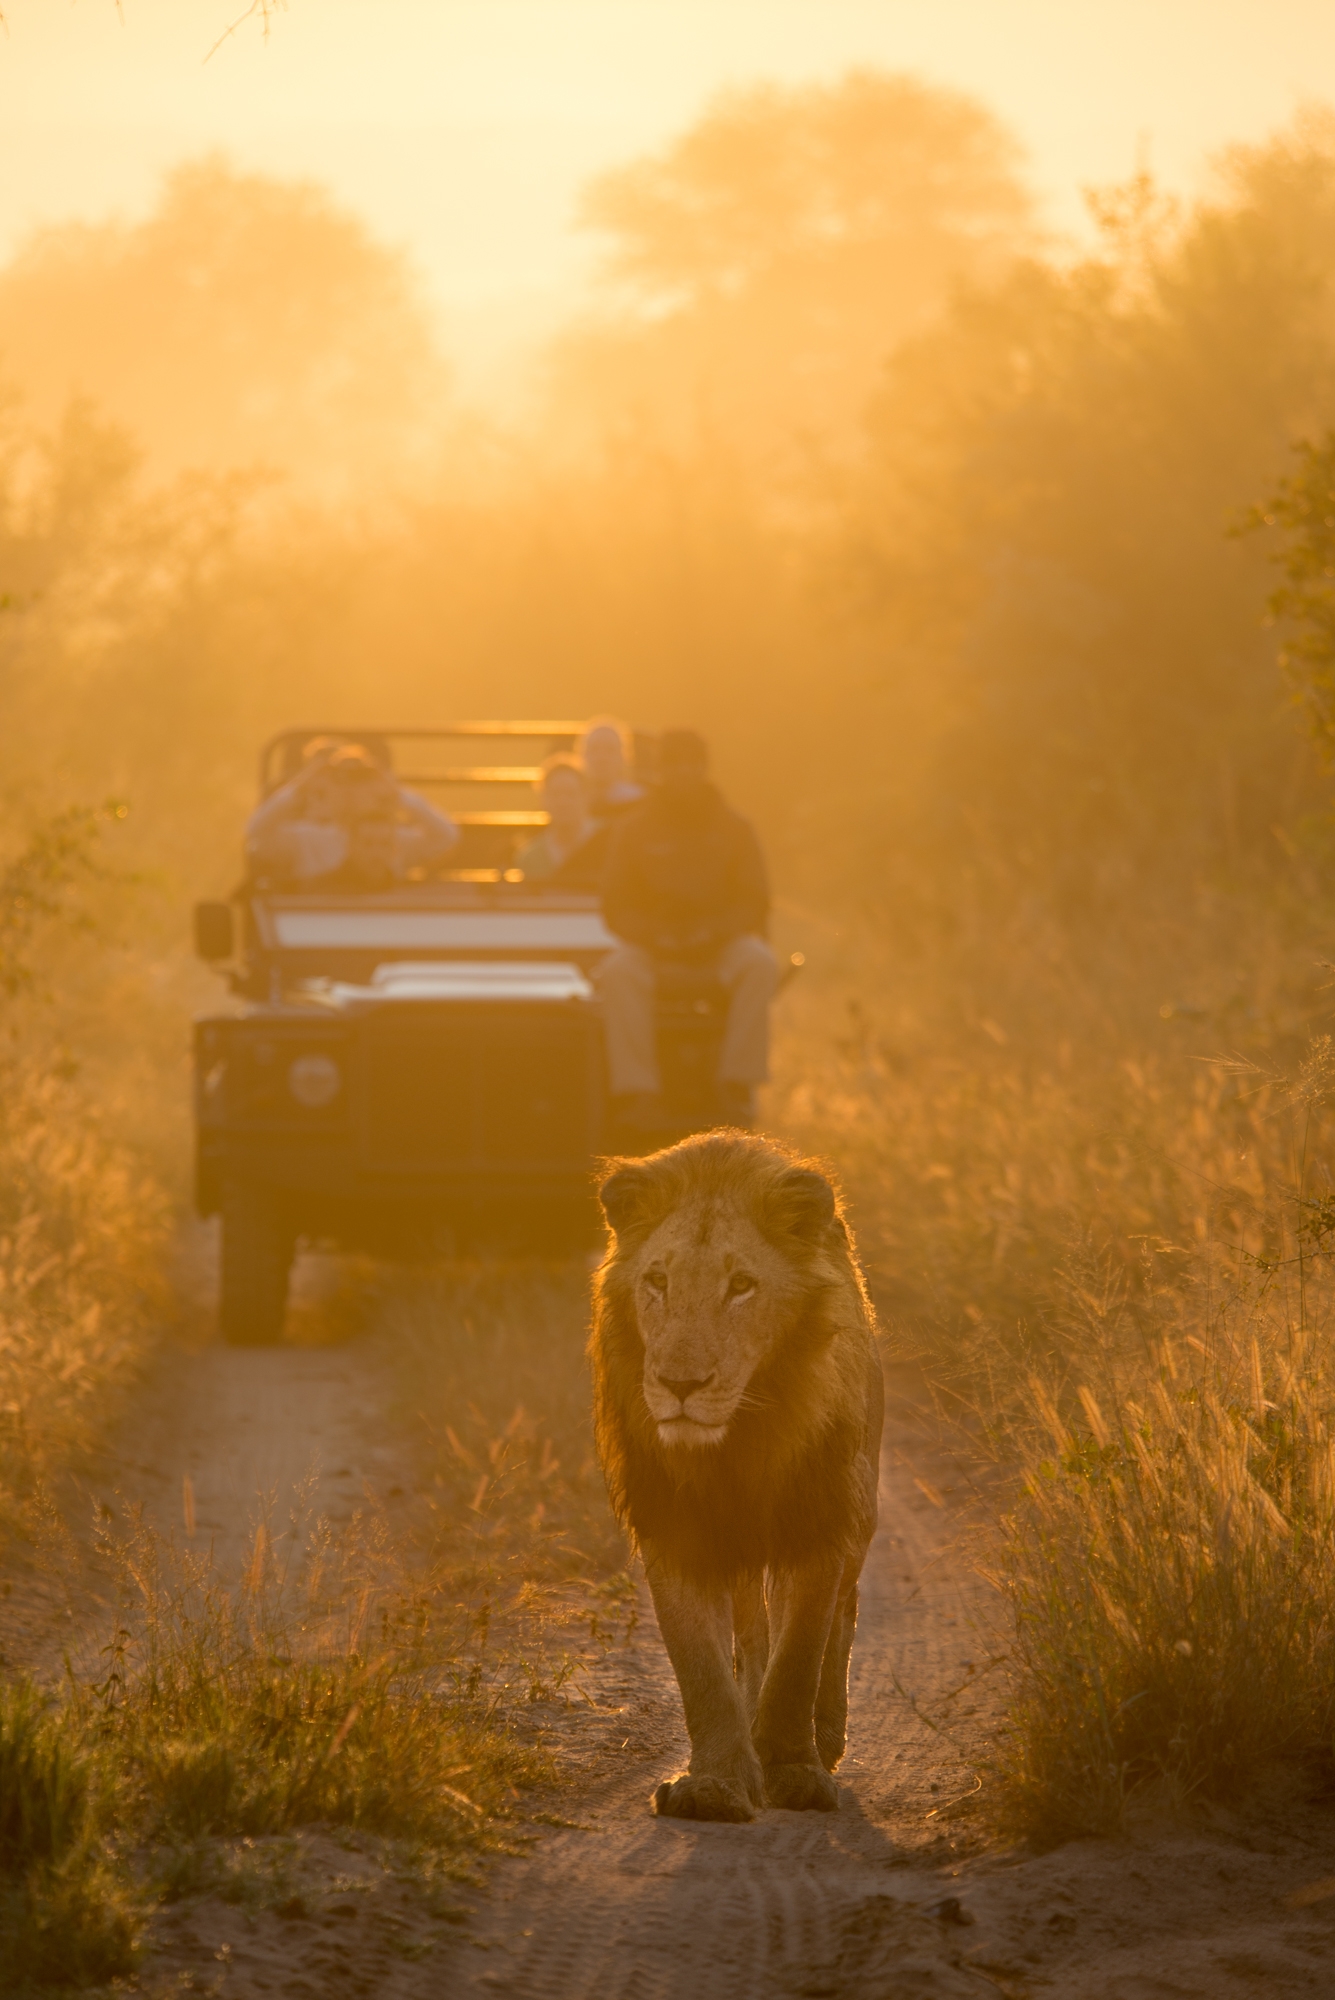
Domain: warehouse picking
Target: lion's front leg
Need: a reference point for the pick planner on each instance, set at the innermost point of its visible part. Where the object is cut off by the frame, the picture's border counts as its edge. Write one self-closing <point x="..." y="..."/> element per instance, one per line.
<point x="802" y="1606"/>
<point x="723" y="1780"/>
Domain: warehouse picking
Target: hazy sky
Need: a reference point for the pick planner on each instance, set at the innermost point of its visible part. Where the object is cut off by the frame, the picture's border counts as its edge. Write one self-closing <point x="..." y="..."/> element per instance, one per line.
<point x="463" y="128"/>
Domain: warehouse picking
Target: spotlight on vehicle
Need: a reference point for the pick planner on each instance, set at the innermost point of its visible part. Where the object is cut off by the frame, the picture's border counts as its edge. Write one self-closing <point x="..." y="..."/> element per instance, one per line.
<point x="314" y="1081"/>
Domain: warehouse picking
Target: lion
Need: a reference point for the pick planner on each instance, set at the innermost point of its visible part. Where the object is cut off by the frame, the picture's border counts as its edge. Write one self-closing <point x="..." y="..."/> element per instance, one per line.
<point x="738" y="1401"/>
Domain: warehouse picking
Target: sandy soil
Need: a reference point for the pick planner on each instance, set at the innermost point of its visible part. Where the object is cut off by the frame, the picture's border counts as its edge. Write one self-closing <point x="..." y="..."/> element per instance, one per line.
<point x="897" y="1895"/>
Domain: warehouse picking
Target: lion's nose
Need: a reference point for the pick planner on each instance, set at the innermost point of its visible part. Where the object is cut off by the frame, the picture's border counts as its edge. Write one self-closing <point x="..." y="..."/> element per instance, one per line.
<point x="684" y="1386"/>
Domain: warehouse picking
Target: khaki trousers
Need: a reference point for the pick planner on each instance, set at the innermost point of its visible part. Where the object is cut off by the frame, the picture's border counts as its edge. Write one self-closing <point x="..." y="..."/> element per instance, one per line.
<point x="746" y="967"/>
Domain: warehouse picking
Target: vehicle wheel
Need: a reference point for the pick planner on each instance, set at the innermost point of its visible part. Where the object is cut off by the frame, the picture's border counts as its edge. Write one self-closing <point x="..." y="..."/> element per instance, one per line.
<point x="257" y="1247"/>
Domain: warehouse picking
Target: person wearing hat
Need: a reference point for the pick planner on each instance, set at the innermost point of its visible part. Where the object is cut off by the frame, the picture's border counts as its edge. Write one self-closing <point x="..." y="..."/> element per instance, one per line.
<point x="685" y="882"/>
<point x="304" y="832"/>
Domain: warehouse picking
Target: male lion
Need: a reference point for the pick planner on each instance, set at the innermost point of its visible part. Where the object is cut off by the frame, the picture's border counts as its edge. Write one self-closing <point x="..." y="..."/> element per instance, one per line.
<point x="739" y="1400"/>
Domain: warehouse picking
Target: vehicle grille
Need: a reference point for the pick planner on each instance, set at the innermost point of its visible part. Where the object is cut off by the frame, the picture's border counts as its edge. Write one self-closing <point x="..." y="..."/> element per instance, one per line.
<point x="458" y="1089"/>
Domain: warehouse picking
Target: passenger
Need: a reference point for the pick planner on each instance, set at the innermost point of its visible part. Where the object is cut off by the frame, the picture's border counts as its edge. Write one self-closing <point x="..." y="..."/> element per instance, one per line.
<point x="604" y="752"/>
<point x="571" y="850"/>
<point x="303" y="831"/>
<point x="372" y="862"/>
<point x="685" y="884"/>
<point x="297" y="831"/>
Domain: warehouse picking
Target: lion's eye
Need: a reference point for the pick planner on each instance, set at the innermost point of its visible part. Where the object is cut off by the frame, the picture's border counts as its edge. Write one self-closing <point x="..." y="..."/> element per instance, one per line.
<point x="739" y="1284"/>
<point x="656" y="1280"/>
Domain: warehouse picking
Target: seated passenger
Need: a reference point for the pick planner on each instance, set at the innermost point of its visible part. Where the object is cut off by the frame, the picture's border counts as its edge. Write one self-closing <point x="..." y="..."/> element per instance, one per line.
<point x="604" y="753"/>
<point x="372" y="862"/>
<point x="296" y="832"/>
<point x="302" y="832"/>
<point x="571" y="850"/>
<point x="685" y="883"/>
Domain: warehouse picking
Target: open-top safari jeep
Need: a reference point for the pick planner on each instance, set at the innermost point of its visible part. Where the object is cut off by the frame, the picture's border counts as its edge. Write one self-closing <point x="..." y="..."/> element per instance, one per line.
<point x="418" y="1068"/>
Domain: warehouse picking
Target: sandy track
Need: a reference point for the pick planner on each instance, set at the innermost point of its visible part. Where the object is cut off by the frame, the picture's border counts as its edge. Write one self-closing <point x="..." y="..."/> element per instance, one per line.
<point x="628" y="1907"/>
<point x="625" y="1907"/>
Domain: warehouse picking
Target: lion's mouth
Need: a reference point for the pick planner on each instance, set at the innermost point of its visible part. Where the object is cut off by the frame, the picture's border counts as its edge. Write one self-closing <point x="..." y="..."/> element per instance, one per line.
<point x="684" y="1430"/>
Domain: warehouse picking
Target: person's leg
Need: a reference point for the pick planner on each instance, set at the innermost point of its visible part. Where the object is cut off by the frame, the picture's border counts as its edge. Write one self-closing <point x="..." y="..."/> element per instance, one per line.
<point x="750" y="971"/>
<point x="626" y="986"/>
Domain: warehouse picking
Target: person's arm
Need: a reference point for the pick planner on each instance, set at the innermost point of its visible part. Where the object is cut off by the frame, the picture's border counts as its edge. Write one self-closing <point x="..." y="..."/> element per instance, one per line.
<point x="750" y="883"/>
<point x="437" y="834"/>
<point x="586" y="865"/>
<point x="534" y="859"/>
<point x="266" y="843"/>
<point x="623" y="890"/>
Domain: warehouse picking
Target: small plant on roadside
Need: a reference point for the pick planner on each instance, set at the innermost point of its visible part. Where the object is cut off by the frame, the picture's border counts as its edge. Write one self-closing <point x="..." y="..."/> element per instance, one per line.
<point x="67" y="1915"/>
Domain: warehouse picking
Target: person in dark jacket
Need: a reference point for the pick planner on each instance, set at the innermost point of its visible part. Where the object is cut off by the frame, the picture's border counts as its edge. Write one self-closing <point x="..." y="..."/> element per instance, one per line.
<point x="685" y="883"/>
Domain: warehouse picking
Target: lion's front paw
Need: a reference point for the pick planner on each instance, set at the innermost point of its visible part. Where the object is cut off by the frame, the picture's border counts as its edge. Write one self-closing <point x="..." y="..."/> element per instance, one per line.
<point x="702" y="1797"/>
<point x="801" y="1788"/>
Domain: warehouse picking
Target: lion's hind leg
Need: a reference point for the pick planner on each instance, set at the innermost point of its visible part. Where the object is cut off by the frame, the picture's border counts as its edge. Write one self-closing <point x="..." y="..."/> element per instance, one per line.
<point x="832" y="1694"/>
<point x="803" y="1605"/>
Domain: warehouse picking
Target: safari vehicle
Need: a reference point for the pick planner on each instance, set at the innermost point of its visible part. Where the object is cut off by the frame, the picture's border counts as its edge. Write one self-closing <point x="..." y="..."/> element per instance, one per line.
<point x="421" y="1067"/>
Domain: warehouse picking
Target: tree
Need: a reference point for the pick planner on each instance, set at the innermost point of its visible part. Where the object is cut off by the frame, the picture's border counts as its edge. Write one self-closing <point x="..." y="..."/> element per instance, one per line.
<point x="246" y="320"/>
<point x="760" y="269"/>
<point x="1042" y="534"/>
<point x="1302" y="507"/>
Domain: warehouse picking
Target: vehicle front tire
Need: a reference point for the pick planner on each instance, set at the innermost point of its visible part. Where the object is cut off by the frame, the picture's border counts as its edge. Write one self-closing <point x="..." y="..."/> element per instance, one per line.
<point x="257" y="1250"/>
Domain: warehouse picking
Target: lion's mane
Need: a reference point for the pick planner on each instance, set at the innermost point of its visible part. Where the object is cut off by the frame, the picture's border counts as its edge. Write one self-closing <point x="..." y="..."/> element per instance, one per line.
<point x="789" y="1481"/>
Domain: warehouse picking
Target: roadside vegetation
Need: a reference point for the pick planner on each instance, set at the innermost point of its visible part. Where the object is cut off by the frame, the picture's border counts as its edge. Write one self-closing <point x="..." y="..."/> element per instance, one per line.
<point x="332" y="1686"/>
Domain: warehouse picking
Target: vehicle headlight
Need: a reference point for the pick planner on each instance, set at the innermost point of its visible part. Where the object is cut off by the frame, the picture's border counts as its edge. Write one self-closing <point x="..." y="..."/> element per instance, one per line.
<point x="314" y="1081"/>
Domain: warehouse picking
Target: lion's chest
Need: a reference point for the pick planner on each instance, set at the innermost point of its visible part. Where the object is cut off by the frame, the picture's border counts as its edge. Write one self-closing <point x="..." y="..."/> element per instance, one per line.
<point x="730" y="1512"/>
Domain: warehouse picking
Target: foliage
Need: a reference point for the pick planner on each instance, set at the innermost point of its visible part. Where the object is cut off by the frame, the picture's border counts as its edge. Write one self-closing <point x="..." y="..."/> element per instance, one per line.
<point x="768" y="174"/>
<point x="1167" y="1569"/>
<point x="246" y="320"/>
<point x="1302" y="507"/>
<point x="1042" y="521"/>
<point x="82" y="1226"/>
<point x="65" y="1917"/>
<point x="492" y="1367"/>
<point x="330" y="1683"/>
<point x="1101" y="1221"/>
<point x="761" y="267"/>
<point x="37" y="885"/>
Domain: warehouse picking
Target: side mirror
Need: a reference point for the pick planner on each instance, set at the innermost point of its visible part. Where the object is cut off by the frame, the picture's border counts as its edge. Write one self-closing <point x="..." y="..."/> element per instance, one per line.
<point x="214" y="934"/>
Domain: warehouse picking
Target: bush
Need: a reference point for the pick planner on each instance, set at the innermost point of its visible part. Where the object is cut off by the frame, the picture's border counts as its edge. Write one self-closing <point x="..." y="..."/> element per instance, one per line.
<point x="1167" y="1568"/>
<point x="81" y="1232"/>
<point x="66" y="1917"/>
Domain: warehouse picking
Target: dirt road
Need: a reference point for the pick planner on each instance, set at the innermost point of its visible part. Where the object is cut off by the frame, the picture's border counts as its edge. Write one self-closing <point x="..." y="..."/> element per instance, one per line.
<point x="895" y="1896"/>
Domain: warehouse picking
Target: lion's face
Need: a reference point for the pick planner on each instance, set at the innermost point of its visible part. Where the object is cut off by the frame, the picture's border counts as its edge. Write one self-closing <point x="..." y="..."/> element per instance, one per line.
<point x="712" y="1296"/>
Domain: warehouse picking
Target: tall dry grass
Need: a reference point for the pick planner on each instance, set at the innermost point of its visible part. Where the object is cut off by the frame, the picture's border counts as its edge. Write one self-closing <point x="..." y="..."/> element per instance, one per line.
<point x="1166" y="1567"/>
<point x="344" y="1679"/>
<point x="82" y="1229"/>
<point x="1095" y="1192"/>
<point x="495" y="1385"/>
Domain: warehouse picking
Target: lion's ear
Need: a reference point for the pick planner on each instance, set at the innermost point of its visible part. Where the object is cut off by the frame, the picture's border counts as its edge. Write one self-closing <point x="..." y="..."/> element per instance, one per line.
<point x="626" y="1195"/>
<point x="801" y="1204"/>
